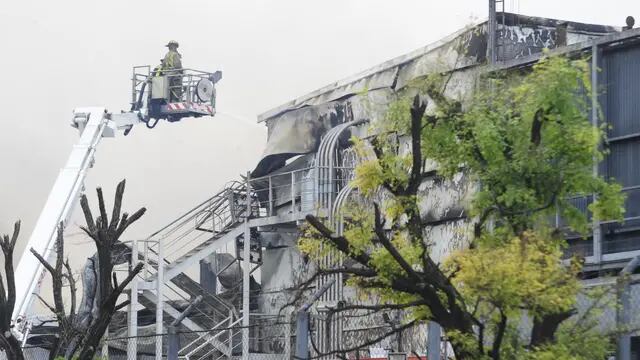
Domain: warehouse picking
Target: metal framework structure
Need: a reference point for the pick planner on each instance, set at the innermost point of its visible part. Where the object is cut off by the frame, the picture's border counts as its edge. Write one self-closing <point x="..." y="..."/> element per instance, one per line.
<point x="223" y="225"/>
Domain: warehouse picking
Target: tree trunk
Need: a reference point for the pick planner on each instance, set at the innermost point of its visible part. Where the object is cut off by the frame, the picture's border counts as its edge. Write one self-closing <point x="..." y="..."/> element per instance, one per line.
<point x="544" y="329"/>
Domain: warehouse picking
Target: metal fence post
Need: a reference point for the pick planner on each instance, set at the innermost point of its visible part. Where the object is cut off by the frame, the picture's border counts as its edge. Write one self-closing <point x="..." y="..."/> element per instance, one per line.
<point x="433" y="339"/>
<point x="623" y="309"/>
<point x="302" y="323"/>
<point x="302" y="335"/>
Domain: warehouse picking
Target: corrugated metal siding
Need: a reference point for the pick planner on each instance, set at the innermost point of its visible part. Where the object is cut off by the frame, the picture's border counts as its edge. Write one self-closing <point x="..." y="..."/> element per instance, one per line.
<point x="622" y="81"/>
<point x="623" y="163"/>
<point x="621" y="108"/>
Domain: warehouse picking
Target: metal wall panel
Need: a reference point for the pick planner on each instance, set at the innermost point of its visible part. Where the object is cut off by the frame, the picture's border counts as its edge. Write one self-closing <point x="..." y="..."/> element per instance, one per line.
<point x="622" y="86"/>
<point x="623" y="162"/>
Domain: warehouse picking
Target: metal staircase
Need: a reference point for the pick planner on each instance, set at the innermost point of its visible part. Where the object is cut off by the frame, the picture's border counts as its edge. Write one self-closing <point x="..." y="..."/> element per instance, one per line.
<point x="217" y="226"/>
<point x="179" y="246"/>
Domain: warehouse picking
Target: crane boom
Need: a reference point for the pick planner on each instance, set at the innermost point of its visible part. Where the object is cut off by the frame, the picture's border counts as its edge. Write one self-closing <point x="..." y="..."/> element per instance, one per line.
<point x="93" y="123"/>
<point x="59" y="206"/>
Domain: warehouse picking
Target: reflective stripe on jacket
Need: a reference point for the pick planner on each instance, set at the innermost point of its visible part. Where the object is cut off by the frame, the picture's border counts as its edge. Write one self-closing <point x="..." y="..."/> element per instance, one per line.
<point x="172" y="61"/>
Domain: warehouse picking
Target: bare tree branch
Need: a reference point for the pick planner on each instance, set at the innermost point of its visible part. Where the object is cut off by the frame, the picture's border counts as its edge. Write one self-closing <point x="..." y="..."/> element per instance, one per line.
<point x="417" y="111"/>
<point x="386" y="243"/>
<point x="88" y="217"/>
<point x="8" y="342"/>
<point x="106" y="238"/>
<point x="72" y="290"/>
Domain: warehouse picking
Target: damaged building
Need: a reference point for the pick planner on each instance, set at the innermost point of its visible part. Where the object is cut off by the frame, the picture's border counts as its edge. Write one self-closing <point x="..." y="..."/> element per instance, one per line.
<point x="238" y="249"/>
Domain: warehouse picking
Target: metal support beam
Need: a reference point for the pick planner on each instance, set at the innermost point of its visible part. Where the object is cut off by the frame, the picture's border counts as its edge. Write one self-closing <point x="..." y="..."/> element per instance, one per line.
<point x="597" y="231"/>
<point x="159" y="304"/>
<point x="624" y="308"/>
<point x="132" y="341"/>
<point x="246" y="255"/>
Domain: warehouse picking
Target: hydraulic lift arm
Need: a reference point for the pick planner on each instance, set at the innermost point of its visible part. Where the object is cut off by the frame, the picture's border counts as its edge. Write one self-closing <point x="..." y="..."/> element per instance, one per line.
<point x="94" y="123"/>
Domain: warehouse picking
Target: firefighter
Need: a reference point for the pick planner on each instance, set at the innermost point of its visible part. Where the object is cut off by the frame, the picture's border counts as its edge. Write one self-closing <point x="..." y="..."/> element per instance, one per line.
<point x="172" y="67"/>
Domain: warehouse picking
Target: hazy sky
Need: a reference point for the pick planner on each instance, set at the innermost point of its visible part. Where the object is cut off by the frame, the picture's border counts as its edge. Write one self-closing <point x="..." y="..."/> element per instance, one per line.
<point x="58" y="55"/>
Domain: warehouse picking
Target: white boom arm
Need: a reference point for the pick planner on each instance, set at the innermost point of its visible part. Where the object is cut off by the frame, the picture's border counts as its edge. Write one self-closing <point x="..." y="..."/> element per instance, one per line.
<point x="93" y="124"/>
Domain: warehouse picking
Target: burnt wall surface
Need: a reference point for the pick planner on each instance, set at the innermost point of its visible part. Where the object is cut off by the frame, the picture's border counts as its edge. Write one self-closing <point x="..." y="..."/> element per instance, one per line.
<point x="296" y="127"/>
<point x="519" y="36"/>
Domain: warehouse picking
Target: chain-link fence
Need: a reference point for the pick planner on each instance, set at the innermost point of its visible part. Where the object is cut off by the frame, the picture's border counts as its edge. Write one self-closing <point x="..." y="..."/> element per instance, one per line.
<point x="273" y="337"/>
<point x="270" y="338"/>
<point x="600" y="302"/>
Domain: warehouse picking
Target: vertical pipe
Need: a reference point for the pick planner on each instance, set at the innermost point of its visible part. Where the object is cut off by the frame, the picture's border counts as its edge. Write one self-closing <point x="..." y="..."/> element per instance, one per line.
<point x="245" y="274"/>
<point x="433" y="339"/>
<point x="159" y="295"/>
<point x="597" y="232"/>
<point x="132" y="342"/>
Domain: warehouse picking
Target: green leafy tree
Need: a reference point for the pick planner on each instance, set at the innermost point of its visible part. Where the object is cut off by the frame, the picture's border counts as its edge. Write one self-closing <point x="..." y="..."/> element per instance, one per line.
<point x="527" y="142"/>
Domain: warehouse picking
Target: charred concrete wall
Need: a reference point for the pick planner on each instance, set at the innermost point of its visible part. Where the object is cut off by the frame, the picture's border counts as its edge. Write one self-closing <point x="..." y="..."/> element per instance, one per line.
<point x="519" y="36"/>
<point x="296" y="128"/>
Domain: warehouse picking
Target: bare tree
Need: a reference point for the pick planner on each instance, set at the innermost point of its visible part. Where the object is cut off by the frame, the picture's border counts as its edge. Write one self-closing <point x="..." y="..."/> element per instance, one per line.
<point x="74" y="336"/>
<point x="67" y="329"/>
<point x="8" y="342"/>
